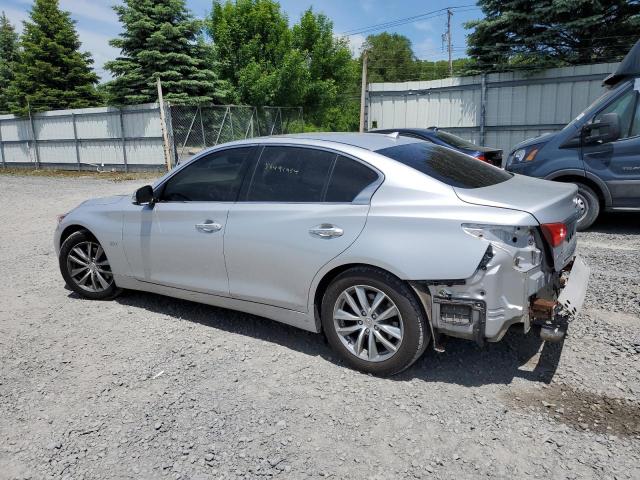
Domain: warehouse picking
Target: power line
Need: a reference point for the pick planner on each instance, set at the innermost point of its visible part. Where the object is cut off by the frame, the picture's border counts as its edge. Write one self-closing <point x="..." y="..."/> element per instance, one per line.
<point x="406" y="20"/>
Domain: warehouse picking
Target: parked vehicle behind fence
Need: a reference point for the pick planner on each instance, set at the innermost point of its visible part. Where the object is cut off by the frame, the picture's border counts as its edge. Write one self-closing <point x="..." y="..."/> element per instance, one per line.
<point x="446" y="139"/>
<point x="383" y="243"/>
<point x="599" y="150"/>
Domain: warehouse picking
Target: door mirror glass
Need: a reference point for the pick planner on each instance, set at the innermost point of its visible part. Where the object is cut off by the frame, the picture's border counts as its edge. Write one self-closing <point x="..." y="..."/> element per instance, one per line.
<point x="605" y="129"/>
<point x="144" y="196"/>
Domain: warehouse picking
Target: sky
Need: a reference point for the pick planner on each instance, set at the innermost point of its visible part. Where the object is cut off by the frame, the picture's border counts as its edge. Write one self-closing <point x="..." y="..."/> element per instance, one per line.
<point x="97" y="23"/>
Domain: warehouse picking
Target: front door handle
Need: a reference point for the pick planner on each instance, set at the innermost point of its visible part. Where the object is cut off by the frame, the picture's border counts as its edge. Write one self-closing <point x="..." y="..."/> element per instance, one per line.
<point x="326" y="230"/>
<point x="209" y="226"/>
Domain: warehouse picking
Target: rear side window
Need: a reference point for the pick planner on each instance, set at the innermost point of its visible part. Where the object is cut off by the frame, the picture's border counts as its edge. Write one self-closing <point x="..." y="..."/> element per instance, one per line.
<point x="446" y="165"/>
<point x="290" y="174"/>
<point x="348" y="179"/>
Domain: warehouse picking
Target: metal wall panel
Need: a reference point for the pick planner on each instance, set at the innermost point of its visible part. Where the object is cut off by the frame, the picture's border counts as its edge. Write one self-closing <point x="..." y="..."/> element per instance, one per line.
<point x="518" y="105"/>
<point x="85" y="137"/>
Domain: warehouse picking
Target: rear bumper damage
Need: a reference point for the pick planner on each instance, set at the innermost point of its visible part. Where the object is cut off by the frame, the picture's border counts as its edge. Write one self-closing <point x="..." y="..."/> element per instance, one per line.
<point x="501" y="293"/>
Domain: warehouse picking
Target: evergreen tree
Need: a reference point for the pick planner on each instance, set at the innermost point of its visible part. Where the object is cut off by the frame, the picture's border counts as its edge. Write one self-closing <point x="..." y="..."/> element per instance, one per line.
<point x="161" y="39"/>
<point x="550" y="33"/>
<point x="52" y="72"/>
<point x="8" y="59"/>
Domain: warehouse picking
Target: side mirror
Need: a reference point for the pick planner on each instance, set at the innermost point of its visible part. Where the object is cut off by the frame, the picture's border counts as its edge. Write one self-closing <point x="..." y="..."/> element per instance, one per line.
<point x="607" y="129"/>
<point x="144" y="196"/>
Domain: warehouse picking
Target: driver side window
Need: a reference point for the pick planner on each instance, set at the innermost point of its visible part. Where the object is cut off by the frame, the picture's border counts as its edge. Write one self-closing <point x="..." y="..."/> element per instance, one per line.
<point x="626" y="107"/>
<point x="216" y="177"/>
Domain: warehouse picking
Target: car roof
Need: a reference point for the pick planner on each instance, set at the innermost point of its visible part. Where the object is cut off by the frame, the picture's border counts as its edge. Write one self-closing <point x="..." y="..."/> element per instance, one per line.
<point x="368" y="141"/>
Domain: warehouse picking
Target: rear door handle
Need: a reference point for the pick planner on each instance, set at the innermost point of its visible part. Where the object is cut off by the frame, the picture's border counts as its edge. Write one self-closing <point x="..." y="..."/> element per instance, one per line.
<point x="326" y="230"/>
<point x="209" y="226"/>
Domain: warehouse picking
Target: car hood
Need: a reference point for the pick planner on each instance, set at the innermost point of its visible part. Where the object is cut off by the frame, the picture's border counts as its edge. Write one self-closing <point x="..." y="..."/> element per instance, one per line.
<point x="542" y="139"/>
<point x="547" y="201"/>
<point x="104" y="200"/>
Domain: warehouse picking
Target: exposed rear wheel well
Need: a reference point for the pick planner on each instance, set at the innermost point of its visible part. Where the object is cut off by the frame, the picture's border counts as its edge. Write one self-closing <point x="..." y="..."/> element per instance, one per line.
<point x="330" y="276"/>
<point x="585" y="181"/>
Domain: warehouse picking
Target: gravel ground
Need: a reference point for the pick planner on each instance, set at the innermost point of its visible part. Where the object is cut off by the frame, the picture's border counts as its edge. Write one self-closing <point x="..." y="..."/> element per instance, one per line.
<point x="152" y="387"/>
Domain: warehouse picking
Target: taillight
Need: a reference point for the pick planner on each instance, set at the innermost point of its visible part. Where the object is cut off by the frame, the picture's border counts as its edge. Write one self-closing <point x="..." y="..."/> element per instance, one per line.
<point x="480" y="156"/>
<point x="555" y="233"/>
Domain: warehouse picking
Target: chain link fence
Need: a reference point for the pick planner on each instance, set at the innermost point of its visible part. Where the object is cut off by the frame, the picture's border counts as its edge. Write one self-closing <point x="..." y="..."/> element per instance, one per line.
<point x="195" y="127"/>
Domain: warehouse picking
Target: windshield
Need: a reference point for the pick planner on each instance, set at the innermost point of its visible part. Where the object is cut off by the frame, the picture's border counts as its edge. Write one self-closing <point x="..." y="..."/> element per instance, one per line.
<point x="454" y="140"/>
<point x="447" y="165"/>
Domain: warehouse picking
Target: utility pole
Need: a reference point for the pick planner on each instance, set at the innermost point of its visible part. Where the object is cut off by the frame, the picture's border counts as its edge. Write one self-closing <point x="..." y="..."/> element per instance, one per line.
<point x="163" y="126"/>
<point x="363" y="93"/>
<point x="449" y="15"/>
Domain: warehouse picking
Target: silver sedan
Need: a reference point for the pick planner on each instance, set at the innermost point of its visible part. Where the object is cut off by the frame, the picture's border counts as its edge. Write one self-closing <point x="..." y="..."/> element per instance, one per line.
<point x="383" y="243"/>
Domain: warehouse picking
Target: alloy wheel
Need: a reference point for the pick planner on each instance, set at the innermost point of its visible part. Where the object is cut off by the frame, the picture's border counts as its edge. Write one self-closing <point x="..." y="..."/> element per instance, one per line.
<point x="89" y="268"/>
<point x="368" y="323"/>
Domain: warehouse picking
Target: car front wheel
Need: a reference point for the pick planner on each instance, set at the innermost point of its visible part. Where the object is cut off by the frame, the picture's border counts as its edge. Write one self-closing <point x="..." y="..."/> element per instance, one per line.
<point x="85" y="267"/>
<point x="373" y="321"/>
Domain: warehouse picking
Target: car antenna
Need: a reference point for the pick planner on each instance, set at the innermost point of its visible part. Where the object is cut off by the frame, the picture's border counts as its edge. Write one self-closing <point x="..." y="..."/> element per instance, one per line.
<point x="393" y="135"/>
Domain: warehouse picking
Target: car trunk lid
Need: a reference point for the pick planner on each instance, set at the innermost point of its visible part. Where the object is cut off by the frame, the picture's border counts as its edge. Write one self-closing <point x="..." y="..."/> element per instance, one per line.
<point x="548" y="202"/>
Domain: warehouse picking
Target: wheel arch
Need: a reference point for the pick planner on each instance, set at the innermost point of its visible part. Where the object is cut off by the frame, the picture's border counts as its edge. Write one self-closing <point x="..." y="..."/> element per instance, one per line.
<point x="327" y="277"/>
<point x="73" y="228"/>
<point x="597" y="185"/>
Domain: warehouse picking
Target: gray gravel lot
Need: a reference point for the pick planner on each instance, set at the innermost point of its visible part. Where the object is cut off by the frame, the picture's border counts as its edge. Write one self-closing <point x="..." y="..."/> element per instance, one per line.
<point x="153" y="387"/>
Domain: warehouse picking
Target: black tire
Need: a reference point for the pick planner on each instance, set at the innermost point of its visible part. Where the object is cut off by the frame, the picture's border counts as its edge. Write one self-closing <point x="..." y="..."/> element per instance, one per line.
<point x="74" y="240"/>
<point x="591" y="204"/>
<point x="416" y="331"/>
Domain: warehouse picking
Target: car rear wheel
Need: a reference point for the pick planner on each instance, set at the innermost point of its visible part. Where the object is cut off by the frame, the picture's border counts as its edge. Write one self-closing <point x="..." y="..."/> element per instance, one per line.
<point x="589" y="206"/>
<point x="373" y="321"/>
<point x="85" y="267"/>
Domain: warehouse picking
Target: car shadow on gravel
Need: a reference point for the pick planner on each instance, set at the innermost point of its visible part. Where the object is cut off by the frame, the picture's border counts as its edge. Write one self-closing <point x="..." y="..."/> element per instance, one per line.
<point x="463" y="362"/>
<point x="625" y="223"/>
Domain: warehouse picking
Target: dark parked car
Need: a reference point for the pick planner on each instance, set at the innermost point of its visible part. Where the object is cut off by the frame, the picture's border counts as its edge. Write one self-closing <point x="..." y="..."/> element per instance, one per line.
<point x="599" y="150"/>
<point x="446" y="139"/>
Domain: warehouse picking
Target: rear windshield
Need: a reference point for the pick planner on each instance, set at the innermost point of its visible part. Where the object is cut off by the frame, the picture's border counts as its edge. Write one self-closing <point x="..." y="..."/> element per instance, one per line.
<point x="454" y="140"/>
<point x="446" y="165"/>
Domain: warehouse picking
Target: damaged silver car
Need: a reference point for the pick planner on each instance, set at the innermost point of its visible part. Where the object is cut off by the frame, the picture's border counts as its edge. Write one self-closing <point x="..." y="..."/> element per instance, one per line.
<point x="383" y="243"/>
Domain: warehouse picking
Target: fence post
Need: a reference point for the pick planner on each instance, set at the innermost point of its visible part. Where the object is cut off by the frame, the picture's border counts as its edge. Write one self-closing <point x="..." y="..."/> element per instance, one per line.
<point x="4" y="164"/>
<point x="124" y="146"/>
<point x="34" y="139"/>
<point x="163" y="124"/>
<point x="75" y="139"/>
<point x="204" y="139"/>
<point x="221" y="125"/>
<point x="483" y="106"/>
<point x="170" y="136"/>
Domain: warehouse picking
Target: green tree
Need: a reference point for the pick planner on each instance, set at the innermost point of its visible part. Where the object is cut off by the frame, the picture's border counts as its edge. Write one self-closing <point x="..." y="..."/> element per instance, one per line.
<point x="435" y="70"/>
<point x="161" y="39"/>
<point x="8" y="59"/>
<point x="253" y="43"/>
<point x="550" y="33"/>
<point x="332" y="73"/>
<point x="391" y="58"/>
<point x="52" y="72"/>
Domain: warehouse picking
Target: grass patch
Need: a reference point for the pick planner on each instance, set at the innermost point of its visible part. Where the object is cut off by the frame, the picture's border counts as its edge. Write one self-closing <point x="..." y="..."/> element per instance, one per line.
<point x="113" y="176"/>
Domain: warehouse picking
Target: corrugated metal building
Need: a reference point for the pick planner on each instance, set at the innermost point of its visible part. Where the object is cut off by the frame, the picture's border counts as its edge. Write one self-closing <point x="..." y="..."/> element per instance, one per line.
<point x="497" y="109"/>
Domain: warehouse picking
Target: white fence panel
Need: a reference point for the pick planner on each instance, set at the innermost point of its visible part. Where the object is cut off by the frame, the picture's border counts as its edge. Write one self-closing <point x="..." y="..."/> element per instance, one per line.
<point x="517" y="105"/>
<point x="84" y="138"/>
